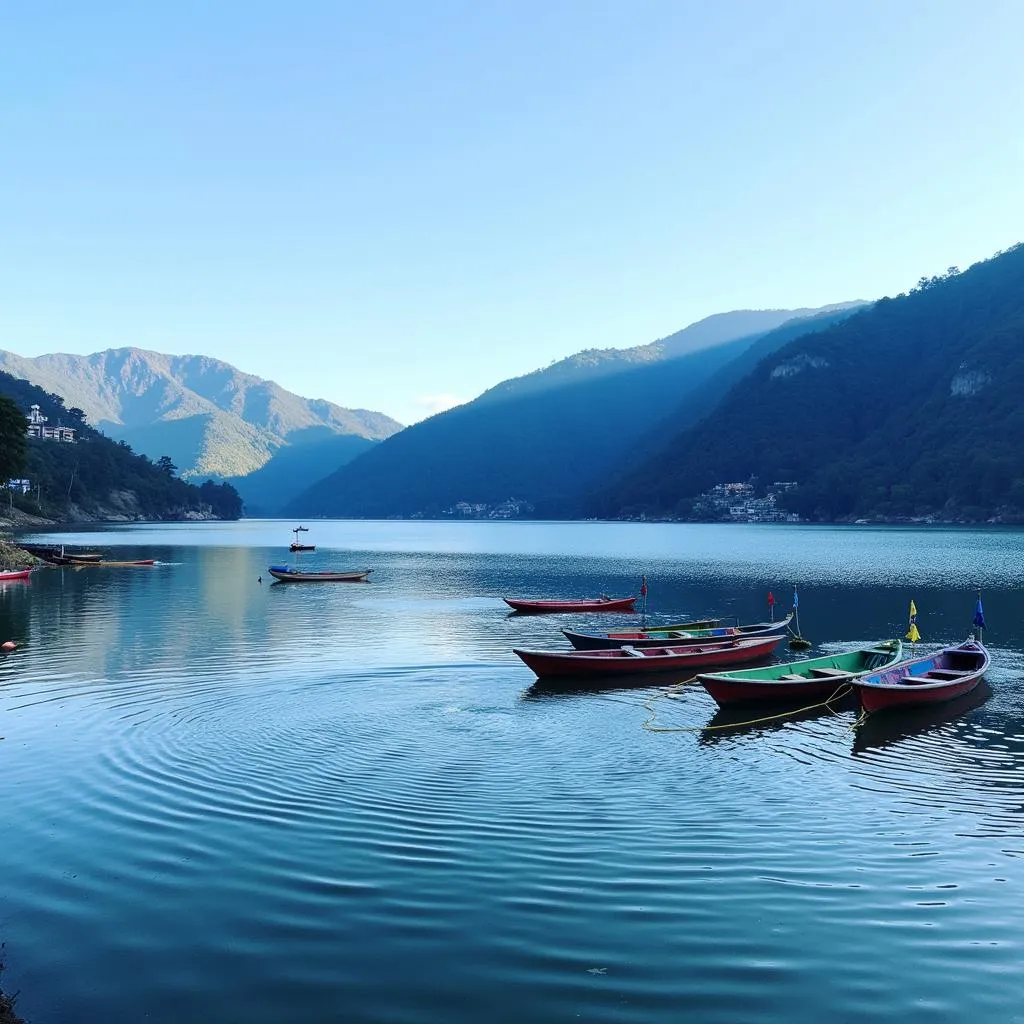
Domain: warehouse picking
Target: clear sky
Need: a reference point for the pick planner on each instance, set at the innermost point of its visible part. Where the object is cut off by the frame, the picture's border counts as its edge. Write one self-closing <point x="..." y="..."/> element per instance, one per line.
<point x="396" y="205"/>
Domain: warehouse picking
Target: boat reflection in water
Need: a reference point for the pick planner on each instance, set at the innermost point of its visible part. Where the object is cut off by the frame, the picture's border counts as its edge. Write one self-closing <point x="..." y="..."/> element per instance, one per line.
<point x="876" y="732"/>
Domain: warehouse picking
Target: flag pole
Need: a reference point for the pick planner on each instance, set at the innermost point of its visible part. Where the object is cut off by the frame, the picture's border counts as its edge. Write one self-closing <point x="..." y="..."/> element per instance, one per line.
<point x="643" y="604"/>
<point x="771" y="606"/>
<point x="979" y="619"/>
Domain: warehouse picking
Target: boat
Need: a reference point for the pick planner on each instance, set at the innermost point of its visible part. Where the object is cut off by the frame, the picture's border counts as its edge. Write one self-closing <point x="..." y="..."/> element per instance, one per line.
<point x="286" y="574"/>
<point x="931" y="679"/>
<point x="83" y="563"/>
<point x="593" y="604"/>
<point x="14" y="574"/>
<point x="809" y="679"/>
<point x="295" y="545"/>
<point x="663" y="635"/>
<point x="646" y="660"/>
<point x="59" y="555"/>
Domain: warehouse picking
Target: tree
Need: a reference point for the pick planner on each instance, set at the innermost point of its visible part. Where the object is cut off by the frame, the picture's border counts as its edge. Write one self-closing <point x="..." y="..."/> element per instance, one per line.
<point x="165" y="465"/>
<point x="13" y="445"/>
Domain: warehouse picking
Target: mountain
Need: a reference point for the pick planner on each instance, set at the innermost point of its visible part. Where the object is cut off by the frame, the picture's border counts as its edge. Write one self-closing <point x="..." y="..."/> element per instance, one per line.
<point x="94" y="477"/>
<point x="210" y="418"/>
<point x="908" y="409"/>
<point x="539" y="438"/>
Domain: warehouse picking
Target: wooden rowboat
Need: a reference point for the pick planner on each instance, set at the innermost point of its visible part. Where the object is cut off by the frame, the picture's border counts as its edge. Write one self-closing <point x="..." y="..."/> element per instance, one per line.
<point x="810" y="679"/>
<point x="594" y="604"/>
<point x="673" y="636"/>
<point x="86" y="563"/>
<point x="285" y="574"/>
<point x="931" y="679"/>
<point x="15" y="574"/>
<point x="643" y="661"/>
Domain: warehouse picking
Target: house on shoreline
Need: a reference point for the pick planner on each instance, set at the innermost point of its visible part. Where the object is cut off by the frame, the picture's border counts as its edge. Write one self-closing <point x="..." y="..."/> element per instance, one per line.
<point x="37" y="428"/>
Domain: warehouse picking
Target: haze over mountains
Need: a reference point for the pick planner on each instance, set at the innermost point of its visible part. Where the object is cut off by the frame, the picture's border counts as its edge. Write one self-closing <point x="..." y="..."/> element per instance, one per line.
<point x="548" y="436"/>
<point x="212" y="420"/>
<point x="908" y="407"/>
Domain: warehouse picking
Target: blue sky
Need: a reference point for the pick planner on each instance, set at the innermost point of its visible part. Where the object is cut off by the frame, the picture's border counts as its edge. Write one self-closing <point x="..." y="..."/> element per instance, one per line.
<point x="396" y="205"/>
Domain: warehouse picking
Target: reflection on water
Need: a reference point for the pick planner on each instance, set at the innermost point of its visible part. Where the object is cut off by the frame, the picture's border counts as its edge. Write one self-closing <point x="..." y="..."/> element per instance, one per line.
<point x="226" y="800"/>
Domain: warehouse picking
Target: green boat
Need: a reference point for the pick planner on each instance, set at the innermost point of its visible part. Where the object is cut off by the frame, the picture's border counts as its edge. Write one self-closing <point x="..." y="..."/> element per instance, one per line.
<point x="812" y="678"/>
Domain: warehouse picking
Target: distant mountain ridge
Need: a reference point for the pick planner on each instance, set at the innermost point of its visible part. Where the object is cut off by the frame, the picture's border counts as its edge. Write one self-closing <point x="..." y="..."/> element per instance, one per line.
<point x="907" y="409"/>
<point x="545" y="436"/>
<point x="212" y="419"/>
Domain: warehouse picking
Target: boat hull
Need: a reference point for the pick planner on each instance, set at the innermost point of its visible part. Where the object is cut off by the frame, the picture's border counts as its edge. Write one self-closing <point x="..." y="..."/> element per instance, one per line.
<point x="612" y="604"/>
<point x="811" y="679"/>
<point x="320" y="577"/>
<point x="675" y="637"/>
<point x="623" y="661"/>
<point x="920" y="683"/>
<point x="19" y="574"/>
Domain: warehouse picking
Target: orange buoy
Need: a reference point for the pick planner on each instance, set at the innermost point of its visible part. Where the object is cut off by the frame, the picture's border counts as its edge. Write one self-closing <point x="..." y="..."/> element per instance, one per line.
<point x="8" y="645"/>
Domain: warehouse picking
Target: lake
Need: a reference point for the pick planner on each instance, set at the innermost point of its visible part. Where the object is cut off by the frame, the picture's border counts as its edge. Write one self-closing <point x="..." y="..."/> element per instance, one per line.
<point x="227" y="800"/>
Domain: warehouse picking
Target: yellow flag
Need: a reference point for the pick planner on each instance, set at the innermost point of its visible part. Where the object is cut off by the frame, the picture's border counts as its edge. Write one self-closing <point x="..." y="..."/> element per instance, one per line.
<point x="912" y="634"/>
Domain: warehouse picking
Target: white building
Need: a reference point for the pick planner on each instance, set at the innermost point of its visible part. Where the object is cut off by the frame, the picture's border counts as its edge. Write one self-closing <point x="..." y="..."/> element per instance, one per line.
<point x="37" y="428"/>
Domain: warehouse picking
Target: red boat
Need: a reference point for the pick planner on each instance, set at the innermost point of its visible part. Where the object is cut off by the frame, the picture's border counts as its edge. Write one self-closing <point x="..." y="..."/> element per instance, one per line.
<point x="933" y="679"/>
<point x="15" y="574"/>
<point x="623" y="660"/>
<point x="593" y="604"/>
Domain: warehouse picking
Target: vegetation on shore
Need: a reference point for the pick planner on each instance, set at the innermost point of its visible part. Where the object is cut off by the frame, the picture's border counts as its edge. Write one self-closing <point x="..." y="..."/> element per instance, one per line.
<point x="95" y="477"/>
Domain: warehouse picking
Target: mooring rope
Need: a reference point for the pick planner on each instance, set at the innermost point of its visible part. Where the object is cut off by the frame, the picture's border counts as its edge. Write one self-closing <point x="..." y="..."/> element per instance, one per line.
<point x="842" y="690"/>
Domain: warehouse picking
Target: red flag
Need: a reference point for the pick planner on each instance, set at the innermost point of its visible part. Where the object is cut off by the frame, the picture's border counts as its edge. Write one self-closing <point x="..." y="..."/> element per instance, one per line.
<point x="643" y="586"/>
<point x="771" y="598"/>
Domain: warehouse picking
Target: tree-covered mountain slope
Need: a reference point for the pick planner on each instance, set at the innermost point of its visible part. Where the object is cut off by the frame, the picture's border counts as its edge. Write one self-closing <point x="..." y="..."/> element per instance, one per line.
<point x="208" y="417"/>
<point x="524" y="440"/>
<point x="95" y="477"/>
<point x="911" y="407"/>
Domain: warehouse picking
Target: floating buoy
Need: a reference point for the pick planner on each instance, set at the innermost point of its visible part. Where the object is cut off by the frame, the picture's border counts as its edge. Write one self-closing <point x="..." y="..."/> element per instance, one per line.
<point x="8" y="645"/>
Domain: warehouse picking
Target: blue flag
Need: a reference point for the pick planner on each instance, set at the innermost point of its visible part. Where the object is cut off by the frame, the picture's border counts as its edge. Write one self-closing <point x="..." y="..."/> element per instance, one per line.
<point x="796" y="599"/>
<point x="979" y="615"/>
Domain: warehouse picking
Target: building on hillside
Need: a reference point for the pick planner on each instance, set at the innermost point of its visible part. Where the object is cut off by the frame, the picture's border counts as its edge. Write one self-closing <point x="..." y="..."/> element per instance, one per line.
<point x="37" y="428"/>
<point x="19" y="486"/>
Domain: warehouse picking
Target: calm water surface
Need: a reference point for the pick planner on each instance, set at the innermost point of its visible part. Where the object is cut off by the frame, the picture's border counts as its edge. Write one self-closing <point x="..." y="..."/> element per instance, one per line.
<point x="222" y="800"/>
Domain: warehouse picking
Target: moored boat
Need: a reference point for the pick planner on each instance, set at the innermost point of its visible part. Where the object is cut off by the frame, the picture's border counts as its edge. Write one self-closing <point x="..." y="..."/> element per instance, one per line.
<point x="931" y="679"/>
<point x="14" y="574"/>
<point x="593" y="604"/>
<point x="84" y="563"/>
<point x="809" y="679"/>
<point x="646" y="660"/>
<point x="662" y="635"/>
<point x="286" y="574"/>
<point x="296" y="545"/>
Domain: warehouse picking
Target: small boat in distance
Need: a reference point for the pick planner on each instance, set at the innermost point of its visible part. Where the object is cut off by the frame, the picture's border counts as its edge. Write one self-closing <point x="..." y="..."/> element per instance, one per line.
<point x="644" y="661"/>
<point x="296" y="545"/>
<point x="14" y="574"/>
<point x="593" y="604"/>
<point x="932" y="679"/>
<point x="810" y="679"/>
<point x="85" y="563"/>
<point x="286" y="574"/>
<point x="59" y="555"/>
<point x="672" y="635"/>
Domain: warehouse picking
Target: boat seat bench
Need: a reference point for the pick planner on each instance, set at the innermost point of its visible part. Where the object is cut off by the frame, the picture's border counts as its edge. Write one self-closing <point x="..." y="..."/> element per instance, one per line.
<point x="793" y="677"/>
<point x="824" y="673"/>
<point x="947" y="673"/>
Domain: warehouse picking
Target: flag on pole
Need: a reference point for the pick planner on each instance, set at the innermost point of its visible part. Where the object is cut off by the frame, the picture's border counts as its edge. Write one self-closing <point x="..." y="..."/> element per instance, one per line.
<point x="771" y="599"/>
<point x="643" y="586"/>
<point x="979" y="615"/>
<point x="796" y="598"/>
<point x="912" y="634"/>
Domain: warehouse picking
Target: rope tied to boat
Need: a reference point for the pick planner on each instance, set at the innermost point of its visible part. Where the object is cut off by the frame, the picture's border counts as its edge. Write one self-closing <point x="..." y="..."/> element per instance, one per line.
<point x="841" y="691"/>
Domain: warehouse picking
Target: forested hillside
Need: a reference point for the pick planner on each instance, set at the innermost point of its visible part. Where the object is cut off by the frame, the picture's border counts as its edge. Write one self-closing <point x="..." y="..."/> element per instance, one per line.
<point x="210" y="418"/>
<point x="533" y="439"/>
<point x="910" y="408"/>
<point x="96" y="476"/>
